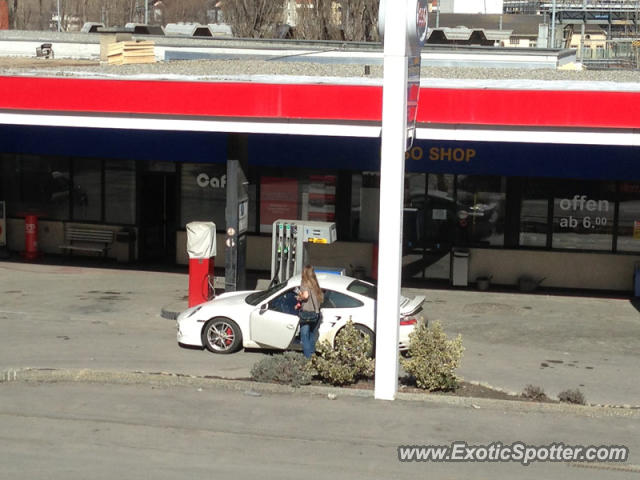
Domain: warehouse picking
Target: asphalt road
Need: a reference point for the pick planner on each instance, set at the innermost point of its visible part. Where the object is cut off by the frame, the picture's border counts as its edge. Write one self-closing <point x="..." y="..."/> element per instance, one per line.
<point x="83" y="424"/>
<point x="104" y="431"/>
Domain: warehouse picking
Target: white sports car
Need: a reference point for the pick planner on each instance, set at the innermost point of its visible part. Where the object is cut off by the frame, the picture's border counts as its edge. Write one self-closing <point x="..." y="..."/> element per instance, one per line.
<point x="268" y="319"/>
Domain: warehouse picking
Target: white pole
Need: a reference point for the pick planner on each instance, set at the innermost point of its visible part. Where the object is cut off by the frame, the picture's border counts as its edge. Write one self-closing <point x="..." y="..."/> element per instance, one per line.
<point x="146" y="12"/>
<point x="59" y="26"/>
<point x="394" y="133"/>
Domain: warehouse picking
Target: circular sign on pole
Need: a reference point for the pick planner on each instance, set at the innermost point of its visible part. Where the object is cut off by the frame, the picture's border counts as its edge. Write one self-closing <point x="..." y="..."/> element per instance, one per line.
<point x="417" y="22"/>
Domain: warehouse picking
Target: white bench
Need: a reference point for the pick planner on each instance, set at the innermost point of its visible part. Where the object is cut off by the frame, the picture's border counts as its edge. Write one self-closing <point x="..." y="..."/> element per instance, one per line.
<point x="87" y="240"/>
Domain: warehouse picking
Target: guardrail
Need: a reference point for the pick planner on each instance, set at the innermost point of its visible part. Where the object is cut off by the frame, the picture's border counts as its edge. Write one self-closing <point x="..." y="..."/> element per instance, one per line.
<point x="610" y="64"/>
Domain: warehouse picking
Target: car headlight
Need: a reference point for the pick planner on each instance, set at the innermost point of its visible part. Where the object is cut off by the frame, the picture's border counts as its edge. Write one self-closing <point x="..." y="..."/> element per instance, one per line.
<point x="193" y="311"/>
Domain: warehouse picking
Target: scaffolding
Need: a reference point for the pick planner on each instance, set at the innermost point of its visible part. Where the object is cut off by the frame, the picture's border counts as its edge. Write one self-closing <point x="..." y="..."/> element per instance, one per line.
<point x="619" y="19"/>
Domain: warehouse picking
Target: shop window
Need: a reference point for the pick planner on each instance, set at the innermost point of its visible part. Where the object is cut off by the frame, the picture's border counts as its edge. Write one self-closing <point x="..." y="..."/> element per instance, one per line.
<point x="472" y="214"/>
<point x="9" y="184"/>
<point x="87" y="189"/>
<point x="366" y="205"/>
<point x="441" y="212"/>
<point x="253" y="201"/>
<point x="583" y="215"/>
<point x="120" y="192"/>
<point x="480" y="210"/>
<point x="413" y="215"/>
<point x="203" y="192"/>
<point x="306" y="196"/>
<point x="319" y="199"/>
<point x="534" y="213"/>
<point x="356" y="186"/>
<point x="36" y="184"/>
<point x="629" y="217"/>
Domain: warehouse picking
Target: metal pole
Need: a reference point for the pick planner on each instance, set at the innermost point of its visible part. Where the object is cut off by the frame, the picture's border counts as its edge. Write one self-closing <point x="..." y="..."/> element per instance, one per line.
<point x="582" y="42"/>
<point x="393" y="146"/>
<point x="553" y="24"/>
<point x="146" y="12"/>
<point x="59" y="26"/>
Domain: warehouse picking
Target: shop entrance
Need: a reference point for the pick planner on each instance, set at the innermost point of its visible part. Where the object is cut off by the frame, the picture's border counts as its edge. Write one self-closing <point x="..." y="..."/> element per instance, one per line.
<point x="158" y="199"/>
<point x="429" y="226"/>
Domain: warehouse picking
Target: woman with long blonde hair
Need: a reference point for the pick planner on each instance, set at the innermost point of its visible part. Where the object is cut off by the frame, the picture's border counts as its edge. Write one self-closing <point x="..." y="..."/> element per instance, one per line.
<point x="310" y="298"/>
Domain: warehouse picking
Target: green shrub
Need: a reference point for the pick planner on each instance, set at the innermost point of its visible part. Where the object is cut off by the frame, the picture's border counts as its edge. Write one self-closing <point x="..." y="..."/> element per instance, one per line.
<point x="349" y="361"/>
<point x="534" y="392"/>
<point x="289" y="368"/>
<point x="572" y="396"/>
<point x="432" y="358"/>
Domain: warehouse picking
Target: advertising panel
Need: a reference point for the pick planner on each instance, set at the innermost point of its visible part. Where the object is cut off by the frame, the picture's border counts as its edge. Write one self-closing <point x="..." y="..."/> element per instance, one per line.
<point x="278" y="199"/>
<point x="321" y="203"/>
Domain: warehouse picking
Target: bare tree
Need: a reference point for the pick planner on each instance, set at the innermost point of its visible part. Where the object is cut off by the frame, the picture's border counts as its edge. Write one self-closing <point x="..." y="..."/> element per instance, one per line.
<point x="194" y="11"/>
<point x="13" y="14"/>
<point x="254" y="18"/>
<point x="318" y="20"/>
<point x="351" y="20"/>
<point x="248" y="18"/>
<point x="359" y="19"/>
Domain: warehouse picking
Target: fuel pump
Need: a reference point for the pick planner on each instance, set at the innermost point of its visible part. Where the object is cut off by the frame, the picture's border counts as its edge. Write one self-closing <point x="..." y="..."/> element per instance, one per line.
<point x="201" y="248"/>
<point x="289" y="240"/>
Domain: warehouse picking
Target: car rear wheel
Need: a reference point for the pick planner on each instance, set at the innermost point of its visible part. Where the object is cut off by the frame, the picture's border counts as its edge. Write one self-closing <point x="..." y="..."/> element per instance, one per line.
<point x="365" y="332"/>
<point x="221" y="335"/>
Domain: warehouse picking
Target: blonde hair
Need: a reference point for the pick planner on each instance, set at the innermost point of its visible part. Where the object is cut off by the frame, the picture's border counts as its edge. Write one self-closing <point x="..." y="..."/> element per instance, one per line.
<point x="310" y="281"/>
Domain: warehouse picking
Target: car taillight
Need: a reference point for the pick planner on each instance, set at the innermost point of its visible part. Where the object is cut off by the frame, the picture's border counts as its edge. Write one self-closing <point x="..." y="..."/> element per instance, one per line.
<point x="408" y="321"/>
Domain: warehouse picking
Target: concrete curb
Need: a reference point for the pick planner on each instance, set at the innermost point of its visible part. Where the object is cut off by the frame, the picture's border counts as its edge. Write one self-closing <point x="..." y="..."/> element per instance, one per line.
<point x="170" y="312"/>
<point x="249" y="387"/>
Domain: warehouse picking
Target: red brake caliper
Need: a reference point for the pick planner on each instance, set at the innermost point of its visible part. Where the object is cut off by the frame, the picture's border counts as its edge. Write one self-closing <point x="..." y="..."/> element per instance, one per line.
<point x="229" y="332"/>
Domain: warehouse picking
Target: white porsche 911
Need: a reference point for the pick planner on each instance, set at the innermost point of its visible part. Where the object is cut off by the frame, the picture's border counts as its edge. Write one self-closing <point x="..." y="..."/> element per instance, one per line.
<point x="268" y="319"/>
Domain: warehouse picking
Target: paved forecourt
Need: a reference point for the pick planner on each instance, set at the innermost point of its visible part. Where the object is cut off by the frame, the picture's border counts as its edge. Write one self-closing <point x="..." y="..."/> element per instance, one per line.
<point x="107" y="319"/>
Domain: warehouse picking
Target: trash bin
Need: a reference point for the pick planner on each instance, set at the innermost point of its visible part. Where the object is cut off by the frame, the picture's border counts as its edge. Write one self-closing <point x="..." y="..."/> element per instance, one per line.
<point x="636" y="280"/>
<point x="460" y="267"/>
<point x="125" y="251"/>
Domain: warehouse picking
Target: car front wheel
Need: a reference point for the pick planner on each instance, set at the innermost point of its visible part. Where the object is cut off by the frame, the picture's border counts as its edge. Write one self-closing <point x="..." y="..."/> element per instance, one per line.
<point x="221" y="335"/>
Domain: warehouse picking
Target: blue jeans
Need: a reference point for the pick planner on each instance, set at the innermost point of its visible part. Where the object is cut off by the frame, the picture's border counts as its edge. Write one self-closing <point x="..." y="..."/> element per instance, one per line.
<point x="308" y="338"/>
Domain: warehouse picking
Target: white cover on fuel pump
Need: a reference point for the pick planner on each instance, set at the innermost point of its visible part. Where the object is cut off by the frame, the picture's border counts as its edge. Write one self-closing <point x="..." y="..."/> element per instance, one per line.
<point x="201" y="240"/>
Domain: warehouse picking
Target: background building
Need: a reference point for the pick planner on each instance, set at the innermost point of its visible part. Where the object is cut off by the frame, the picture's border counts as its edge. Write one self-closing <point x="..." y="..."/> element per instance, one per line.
<point x="533" y="177"/>
<point x="471" y="6"/>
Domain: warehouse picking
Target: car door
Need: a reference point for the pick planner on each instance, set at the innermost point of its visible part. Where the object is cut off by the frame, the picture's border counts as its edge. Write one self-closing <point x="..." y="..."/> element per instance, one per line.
<point x="274" y="323"/>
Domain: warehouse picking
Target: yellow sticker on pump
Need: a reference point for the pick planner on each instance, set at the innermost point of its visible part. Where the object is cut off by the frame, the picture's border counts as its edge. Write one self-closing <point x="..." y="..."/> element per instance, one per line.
<point x="317" y="240"/>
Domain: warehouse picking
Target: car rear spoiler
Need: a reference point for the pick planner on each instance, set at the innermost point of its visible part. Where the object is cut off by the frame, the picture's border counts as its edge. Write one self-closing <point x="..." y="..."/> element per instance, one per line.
<point x="410" y="305"/>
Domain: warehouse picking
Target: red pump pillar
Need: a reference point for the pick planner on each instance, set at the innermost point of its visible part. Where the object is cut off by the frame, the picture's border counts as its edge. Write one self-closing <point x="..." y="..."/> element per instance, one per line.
<point x="31" y="237"/>
<point x="200" y="280"/>
<point x="201" y="247"/>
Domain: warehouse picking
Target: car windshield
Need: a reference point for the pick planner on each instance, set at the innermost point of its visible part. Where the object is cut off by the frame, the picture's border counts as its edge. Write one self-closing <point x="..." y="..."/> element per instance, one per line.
<point x="257" y="297"/>
<point x="362" y="288"/>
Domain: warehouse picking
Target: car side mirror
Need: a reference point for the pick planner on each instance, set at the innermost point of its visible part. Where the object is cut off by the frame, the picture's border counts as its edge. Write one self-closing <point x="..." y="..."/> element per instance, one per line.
<point x="263" y="308"/>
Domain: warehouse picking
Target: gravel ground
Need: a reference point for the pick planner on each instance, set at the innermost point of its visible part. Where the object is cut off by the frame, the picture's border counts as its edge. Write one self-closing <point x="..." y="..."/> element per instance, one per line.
<point x="198" y="69"/>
